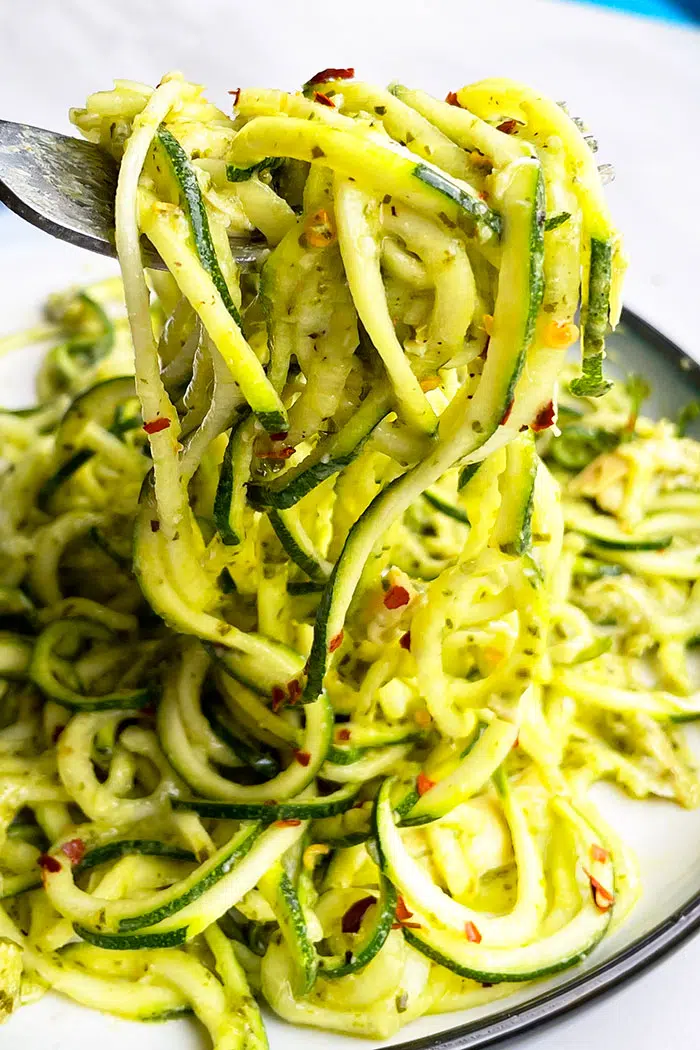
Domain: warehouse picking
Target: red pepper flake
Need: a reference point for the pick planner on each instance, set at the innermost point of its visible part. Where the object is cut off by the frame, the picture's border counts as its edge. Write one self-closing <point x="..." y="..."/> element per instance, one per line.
<point x="331" y="74"/>
<point x="352" y="920"/>
<point x="336" y="642"/>
<point x="343" y="734"/>
<point x="279" y="436"/>
<point x="452" y="100"/>
<point x="599" y="854"/>
<point x="602" y="898"/>
<point x="236" y="95"/>
<point x="396" y="597"/>
<point x="402" y="912"/>
<point x="294" y="690"/>
<point x="276" y="453"/>
<point x="302" y="757"/>
<point x="155" y="525"/>
<point x="406" y="926"/>
<point x="74" y="849"/>
<point x="278" y="697"/>
<point x="472" y="933"/>
<point x="49" y="863"/>
<point x="507" y="127"/>
<point x="323" y="100"/>
<point x="154" y="426"/>
<point x="424" y="783"/>
<point x="506" y="415"/>
<point x="291" y="822"/>
<point x="405" y="641"/>
<point x="544" y="418"/>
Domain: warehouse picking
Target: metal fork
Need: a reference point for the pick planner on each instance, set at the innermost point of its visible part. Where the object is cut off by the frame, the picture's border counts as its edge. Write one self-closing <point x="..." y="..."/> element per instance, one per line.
<point x="65" y="186"/>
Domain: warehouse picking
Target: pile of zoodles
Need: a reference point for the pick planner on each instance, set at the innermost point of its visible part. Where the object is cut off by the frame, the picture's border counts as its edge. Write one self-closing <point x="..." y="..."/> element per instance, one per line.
<point x="325" y="594"/>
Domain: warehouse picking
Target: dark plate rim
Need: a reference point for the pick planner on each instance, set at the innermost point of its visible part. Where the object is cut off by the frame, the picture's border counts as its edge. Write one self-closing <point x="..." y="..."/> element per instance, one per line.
<point x="636" y="957"/>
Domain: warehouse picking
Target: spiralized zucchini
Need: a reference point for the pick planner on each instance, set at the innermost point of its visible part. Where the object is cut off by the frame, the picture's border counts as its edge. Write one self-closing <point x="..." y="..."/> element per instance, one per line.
<point x="317" y="622"/>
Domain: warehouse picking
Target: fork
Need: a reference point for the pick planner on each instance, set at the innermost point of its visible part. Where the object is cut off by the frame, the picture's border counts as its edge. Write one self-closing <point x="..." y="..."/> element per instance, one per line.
<point x="66" y="186"/>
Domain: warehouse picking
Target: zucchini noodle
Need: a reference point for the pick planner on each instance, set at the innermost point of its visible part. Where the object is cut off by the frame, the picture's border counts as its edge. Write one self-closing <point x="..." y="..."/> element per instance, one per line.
<point x="328" y="589"/>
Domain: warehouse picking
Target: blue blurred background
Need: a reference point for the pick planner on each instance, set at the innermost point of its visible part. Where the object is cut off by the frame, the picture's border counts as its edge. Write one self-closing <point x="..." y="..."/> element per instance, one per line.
<point x="673" y="10"/>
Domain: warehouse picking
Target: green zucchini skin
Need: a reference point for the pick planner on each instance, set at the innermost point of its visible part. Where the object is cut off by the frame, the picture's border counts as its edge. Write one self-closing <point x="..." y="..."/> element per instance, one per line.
<point x="227" y="512"/>
<point x="328" y="458"/>
<point x="475" y="208"/>
<point x="197" y="214"/>
<point x="41" y="674"/>
<point x="127" y="847"/>
<point x="596" y="322"/>
<point x="374" y="940"/>
<point x="184" y="174"/>
<point x="536" y="972"/>
<point x="302" y="809"/>
<point x="262" y="760"/>
<point x="281" y="666"/>
<point x="604" y="532"/>
<point x="299" y="556"/>
<point x="451" y="510"/>
<point x="131" y="942"/>
<point x="281" y="894"/>
<point x="240" y="847"/>
<point x="234" y="174"/>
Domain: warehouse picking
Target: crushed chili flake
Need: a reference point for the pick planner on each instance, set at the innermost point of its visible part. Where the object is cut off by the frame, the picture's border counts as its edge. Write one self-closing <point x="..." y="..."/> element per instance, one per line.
<point x="487" y="322"/>
<point x="236" y="95"/>
<point x="405" y="641"/>
<point x="335" y="643"/>
<point x="352" y="920"/>
<point x="302" y="757"/>
<point x="424" y="783"/>
<point x="544" y="418"/>
<point x="319" y="229"/>
<point x="74" y="849"/>
<point x="423" y="718"/>
<point x="331" y="74"/>
<point x="49" y="863"/>
<point x="396" y="597"/>
<point x="602" y="898"/>
<point x="155" y="525"/>
<point x="452" y="100"/>
<point x="507" y="127"/>
<point x="472" y="933"/>
<point x="276" y="453"/>
<point x="278" y="697"/>
<point x="402" y="912"/>
<point x="154" y="426"/>
<point x="290" y="822"/>
<point x="506" y="415"/>
<point x="599" y="853"/>
<point x="294" y="690"/>
<point x="280" y="436"/>
<point x="406" y="926"/>
<point x="343" y="734"/>
<point x="429" y="383"/>
<point x="324" y="100"/>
